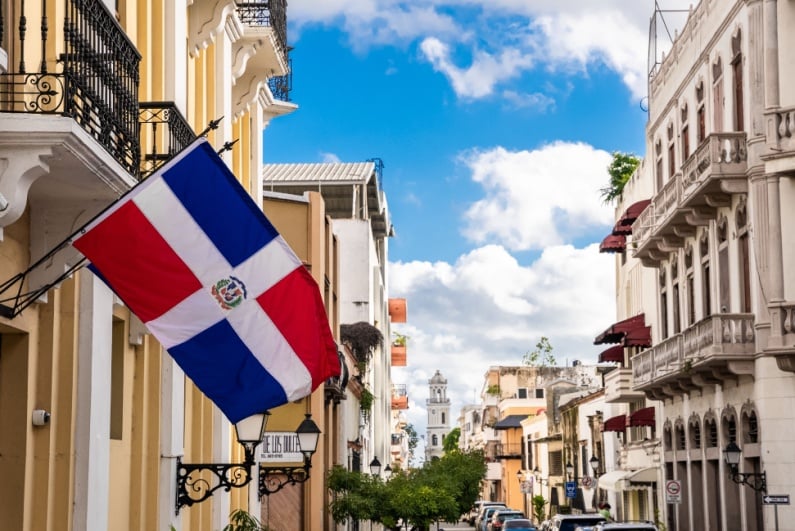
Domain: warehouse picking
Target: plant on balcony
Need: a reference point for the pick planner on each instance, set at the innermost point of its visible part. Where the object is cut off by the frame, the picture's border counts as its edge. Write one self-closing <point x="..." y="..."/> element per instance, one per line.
<point x="620" y="169"/>
<point x="366" y="400"/>
<point x="361" y="338"/>
<point x="400" y="340"/>
<point x="493" y="390"/>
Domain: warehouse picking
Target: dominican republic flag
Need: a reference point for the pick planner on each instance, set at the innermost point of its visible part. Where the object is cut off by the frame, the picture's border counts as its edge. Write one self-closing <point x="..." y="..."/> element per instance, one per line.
<point x="194" y="257"/>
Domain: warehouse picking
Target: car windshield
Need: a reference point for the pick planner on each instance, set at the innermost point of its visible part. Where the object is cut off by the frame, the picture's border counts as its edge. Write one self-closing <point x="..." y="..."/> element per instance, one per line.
<point x="571" y="525"/>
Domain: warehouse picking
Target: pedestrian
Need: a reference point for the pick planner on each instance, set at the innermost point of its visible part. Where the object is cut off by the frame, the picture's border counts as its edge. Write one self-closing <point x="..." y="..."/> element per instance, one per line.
<point x="604" y="510"/>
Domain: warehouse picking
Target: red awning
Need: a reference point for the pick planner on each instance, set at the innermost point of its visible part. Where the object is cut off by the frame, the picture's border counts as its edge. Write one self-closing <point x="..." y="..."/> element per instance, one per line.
<point x="613" y="244"/>
<point x="613" y="354"/>
<point x="617" y="423"/>
<point x="628" y="327"/>
<point x="638" y="337"/>
<point x="624" y="223"/>
<point x="642" y="417"/>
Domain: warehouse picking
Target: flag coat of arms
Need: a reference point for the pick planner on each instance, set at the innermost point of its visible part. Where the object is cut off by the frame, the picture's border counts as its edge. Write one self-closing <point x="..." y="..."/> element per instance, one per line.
<point x="194" y="257"/>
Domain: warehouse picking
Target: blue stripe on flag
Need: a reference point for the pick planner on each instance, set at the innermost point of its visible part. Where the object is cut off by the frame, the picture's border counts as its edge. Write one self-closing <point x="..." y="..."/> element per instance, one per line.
<point x="226" y="371"/>
<point x="219" y="204"/>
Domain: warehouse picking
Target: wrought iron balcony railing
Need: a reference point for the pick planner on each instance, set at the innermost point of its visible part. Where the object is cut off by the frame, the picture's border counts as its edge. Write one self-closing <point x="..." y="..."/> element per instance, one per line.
<point x="266" y="13"/>
<point x="91" y="77"/>
<point x="164" y="133"/>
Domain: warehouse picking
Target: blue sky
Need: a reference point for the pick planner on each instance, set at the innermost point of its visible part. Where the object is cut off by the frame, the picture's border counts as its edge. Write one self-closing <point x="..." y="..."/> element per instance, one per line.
<point x="495" y="120"/>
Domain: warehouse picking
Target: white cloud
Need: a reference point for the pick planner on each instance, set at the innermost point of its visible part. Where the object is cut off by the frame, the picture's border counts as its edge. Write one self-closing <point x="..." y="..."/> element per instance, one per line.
<point x="485" y="71"/>
<point x="536" y="100"/>
<point x="534" y="199"/>
<point x="487" y="309"/>
<point x="329" y="157"/>
<point x="581" y="33"/>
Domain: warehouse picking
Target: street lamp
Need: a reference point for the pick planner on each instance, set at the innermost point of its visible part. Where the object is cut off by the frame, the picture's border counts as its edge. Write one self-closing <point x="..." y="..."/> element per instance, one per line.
<point x="594" y="462"/>
<point x="274" y="478"/>
<point x="387" y="471"/>
<point x="757" y="481"/>
<point x="375" y="466"/>
<point x="192" y="484"/>
<point x="569" y="470"/>
<point x="539" y="479"/>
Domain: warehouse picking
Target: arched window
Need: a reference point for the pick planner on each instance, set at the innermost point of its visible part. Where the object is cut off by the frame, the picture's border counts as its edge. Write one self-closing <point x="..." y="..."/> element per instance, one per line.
<point x="701" y="120"/>
<point x="717" y="95"/>
<point x="676" y="317"/>
<point x="724" y="284"/>
<point x="658" y="171"/>
<point x="690" y="287"/>
<point x="671" y="152"/>
<point x="743" y="256"/>
<point x="663" y="287"/>
<point x="434" y="440"/>
<point x="685" y="132"/>
<point x="706" y="281"/>
<point x="695" y="432"/>
<point x="737" y="81"/>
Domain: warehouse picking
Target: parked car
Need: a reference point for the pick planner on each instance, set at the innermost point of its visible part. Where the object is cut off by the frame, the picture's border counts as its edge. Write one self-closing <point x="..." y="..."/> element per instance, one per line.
<point x="499" y="517"/>
<point x="626" y="526"/>
<point x="485" y="516"/>
<point x="570" y="522"/>
<point x="519" y="524"/>
<point x="476" y="508"/>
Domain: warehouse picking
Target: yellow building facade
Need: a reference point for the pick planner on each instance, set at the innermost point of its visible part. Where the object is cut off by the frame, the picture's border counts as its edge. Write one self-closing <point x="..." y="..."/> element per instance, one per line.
<point x="96" y="94"/>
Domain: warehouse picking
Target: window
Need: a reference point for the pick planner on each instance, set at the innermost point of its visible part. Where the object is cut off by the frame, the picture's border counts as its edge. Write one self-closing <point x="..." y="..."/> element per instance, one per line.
<point x="539" y="393"/>
<point x="701" y="131"/>
<point x="690" y="316"/>
<point x="117" y="380"/>
<point x="556" y="463"/>
<point x="744" y="258"/>
<point x="675" y="295"/>
<point x="717" y="95"/>
<point x="737" y="81"/>
<point x="671" y="152"/>
<point x="444" y="418"/>
<point x="663" y="304"/>
<point x="434" y="440"/>
<point x="724" y="284"/>
<point x="658" y="172"/>
<point x="706" y="286"/>
<point x="685" y="133"/>
<point x="521" y="392"/>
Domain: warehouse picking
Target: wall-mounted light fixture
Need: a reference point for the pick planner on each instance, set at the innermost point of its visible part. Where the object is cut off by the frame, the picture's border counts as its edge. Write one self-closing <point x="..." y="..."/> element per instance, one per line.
<point x="538" y="478"/>
<point x="569" y="471"/>
<point x="594" y="462"/>
<point x="375" y="467"/>
<point x="193" y="485"/>
<point x="755" y="480"/>
<point x="274" y="478"/>
<point x="387" y="471"/>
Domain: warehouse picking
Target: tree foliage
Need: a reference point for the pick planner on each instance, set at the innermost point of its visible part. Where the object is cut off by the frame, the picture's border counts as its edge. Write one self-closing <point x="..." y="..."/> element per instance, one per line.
<point x="442" y="490"/>
<point x="413" y="440"/>
<point x="450" y="441"/>
<point x="542" y="356"/>
<point x="620" y="169"/>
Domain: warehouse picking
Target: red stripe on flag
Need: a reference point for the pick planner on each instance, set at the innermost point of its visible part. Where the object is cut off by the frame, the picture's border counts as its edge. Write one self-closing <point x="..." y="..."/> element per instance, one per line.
<point x="295" y="307"/>
<point x="137" y="263"/>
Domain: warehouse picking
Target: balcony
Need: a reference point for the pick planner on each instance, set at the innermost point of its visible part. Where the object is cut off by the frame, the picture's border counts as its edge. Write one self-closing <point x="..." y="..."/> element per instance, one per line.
<point x="90" y="76"/>
<point x="780" y="156"/>
<point x="781" y="343"/>
<point x="708" y="179"/>
<point x="164" y="133"/>
<point x="261" y="53"/>
<point x="619" y="388"/>
<point x="497" y="450"/>
<point x="714" y="350"/>
<point x="69" y="126"/>
<point x="400" y="397"/>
